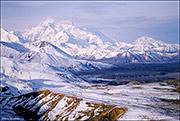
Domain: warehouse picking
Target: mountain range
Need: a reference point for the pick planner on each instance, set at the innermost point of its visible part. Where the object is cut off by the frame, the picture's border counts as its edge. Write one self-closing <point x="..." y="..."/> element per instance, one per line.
<point x="59" y="50"/>
<point x="48" y="55"/>
<point x="90" y="44"/>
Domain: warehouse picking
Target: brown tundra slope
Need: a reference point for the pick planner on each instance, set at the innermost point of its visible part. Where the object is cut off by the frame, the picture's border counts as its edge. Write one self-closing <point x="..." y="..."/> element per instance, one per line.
<point x="47" y="106"/>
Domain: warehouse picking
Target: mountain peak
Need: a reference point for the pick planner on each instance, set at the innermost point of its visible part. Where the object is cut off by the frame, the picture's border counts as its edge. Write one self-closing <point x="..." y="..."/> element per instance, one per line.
<point x="144" y="39"/>
<point x="68" y="22"/>
<point x="47" y="22"/>
<point x="147" y="40"/>
<point x="8" y="36"/>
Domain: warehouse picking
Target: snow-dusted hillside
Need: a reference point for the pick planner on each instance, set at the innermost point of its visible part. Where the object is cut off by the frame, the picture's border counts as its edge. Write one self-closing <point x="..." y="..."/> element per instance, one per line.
<point x="45" y="105"/>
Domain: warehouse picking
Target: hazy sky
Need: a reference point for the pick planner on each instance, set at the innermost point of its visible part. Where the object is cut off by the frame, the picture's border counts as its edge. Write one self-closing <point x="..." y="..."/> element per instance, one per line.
<point x="123" y="21"/>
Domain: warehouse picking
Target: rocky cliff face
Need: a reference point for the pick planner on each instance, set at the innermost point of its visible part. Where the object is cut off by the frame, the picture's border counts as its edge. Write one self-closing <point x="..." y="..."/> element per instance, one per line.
<point x="46" y="105"/>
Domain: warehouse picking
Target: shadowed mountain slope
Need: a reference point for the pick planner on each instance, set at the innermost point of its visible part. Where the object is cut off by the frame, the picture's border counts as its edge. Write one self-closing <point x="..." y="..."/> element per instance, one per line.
<point x="45" y="105"/>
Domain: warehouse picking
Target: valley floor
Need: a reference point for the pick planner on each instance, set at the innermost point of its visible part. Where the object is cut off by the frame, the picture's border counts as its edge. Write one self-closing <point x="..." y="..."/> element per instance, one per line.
<point x="143" y="101"/>
<point x="151" y="101"/>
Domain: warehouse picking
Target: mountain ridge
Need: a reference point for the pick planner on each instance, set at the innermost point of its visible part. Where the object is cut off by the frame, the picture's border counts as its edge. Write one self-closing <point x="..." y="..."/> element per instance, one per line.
<point x="46" y="105"/>
<point x="90" y="44"/>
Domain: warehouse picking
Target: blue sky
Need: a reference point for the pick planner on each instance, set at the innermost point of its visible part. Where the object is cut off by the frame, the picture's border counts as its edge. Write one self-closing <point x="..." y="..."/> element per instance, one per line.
<point x="123" y="21"/>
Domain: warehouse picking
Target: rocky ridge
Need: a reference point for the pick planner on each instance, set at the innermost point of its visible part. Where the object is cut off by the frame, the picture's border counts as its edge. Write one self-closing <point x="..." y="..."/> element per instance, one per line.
<point x="45" y="105"/>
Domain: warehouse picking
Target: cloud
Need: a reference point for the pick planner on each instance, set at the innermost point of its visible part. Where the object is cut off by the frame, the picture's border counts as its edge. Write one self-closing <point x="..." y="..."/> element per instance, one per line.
<point x="99" y="7"/>
<point x="134" y="20"/>
<point x="9" y="5"/>
<point x="33" y="4"/>
<point x="13" y="4"/>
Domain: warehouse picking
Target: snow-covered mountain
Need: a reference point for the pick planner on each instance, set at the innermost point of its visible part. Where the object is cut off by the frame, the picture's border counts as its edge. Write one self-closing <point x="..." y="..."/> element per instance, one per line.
<point x="45" y="52"/>
<point x="48" y="56"/>
<point x="90" y="44"/>
<point x="150" y="44"/>
<point x="51" y="50"/>
<point x="21" y="63"/>
<point x="71" y="39"/>
<point x="8" y="36"/>
<point x="145" y="49"/>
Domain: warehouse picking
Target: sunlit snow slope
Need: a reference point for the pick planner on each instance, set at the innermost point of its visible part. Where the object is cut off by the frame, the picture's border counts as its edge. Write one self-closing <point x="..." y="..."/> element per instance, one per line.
<point x="89" y="43"/>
